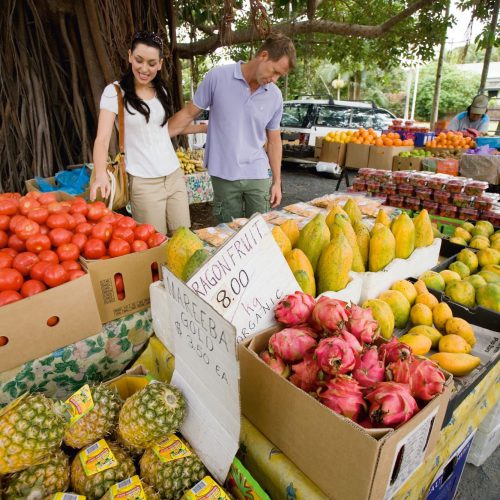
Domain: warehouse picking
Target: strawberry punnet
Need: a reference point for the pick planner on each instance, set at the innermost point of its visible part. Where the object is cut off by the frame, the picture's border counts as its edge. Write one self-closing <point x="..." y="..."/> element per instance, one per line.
<point x="294" y="309"/>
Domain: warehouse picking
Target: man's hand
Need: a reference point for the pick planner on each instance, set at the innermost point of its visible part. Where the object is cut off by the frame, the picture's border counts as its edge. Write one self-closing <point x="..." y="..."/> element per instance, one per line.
<point x="275" y="194"/>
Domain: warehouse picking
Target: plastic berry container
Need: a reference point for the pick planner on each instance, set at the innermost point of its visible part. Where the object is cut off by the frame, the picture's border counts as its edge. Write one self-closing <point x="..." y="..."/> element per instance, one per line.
<point x="476" y="188"/>
<point x="401" y="177"/>
<point x="389" y="188"/>
<point x="424" y="193"/>
<point x="462" y="200"/>
<point x="359" y="185"/>
<point x="456" y="185"/>
<point x="412" y="203"/>
<point x="418" y="179"/>
<point x="437" y="182"/>
<point x="442" y="197"/>
<point x="373" y="186"/>
<point x="405" y="190"/>
<point x="468" y="214"/>
<point x="395" y="200"/>
<point x="493" y="216"/>
<point x="366" y="173"/>
<point x="383" y="175"/>
<point x="448" y="211"/>
<point x="431" y="206"/>
<point x="484" y="202"/>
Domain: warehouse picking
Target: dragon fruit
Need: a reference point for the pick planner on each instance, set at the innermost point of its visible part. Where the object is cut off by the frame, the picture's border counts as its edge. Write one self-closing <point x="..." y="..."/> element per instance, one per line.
<point x="362" y="325"/>
<point x="351" y="340"/>
<point x="369" y="369"/>
<point x="275" y="363"/>
<point x="343" y="395"/>
<point x="394" y="350"/>
<point x="291" y="344"/>
<point x="423" y="376"/>
<point x="305" y="374"/>
<point x="329" y="315"/>
<point x="335" y="356"/>
<point x="391" y="404"/>
<point x="295" y="309"/>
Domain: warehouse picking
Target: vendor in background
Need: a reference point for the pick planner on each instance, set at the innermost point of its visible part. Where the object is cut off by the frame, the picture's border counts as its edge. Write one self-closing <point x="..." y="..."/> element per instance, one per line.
<point x="158" y="193"/>
<point x="474" y="118"/>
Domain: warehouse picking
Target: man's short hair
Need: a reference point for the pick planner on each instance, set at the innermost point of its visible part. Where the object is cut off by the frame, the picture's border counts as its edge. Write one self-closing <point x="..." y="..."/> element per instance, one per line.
<point x="277" y="46"/>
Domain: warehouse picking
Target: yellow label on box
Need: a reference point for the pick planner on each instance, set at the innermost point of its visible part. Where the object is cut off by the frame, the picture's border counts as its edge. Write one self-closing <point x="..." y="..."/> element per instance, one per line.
<point x="128" y="489"/>
<point x="67" y="496"/>
<point x="97" y="457"/>
<point x="79" y="404"/>
<point x="171" y="448"/>
<point x="206" y="489"/>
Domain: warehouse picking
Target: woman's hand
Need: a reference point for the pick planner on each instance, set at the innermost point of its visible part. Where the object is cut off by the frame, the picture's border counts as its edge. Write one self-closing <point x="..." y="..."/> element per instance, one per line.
<point x="101" y="183"/>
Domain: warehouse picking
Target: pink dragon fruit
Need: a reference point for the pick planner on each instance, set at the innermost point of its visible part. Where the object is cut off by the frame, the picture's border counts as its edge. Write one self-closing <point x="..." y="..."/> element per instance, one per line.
<point x="292" y="344"/>
<point x="294" y="309"/>
<point x="423" y="376"/>
<point x="362" y="325"/>
<point x="335" y="356"/>
<point x="369" y="369"/>
<point x="329" y="315"/>
<point x="394" y="350"/>
<point x="275" y="363"/>
<point x="305" y="374"/>
<point x="391" y="404"/>
<point x="343" y="395"/>
<point x="351" y="340"/>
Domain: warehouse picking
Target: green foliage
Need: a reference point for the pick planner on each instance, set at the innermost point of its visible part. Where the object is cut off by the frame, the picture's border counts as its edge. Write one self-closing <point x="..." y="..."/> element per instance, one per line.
<point x="474" y="55"/>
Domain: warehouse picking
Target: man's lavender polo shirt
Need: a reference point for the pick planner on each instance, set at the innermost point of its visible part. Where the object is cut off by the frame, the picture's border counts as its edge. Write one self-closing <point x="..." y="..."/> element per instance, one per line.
<point x="237" y="123"/>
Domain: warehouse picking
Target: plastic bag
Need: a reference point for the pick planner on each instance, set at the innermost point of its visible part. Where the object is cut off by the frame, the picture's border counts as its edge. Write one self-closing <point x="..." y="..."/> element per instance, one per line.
<point x="73" y="182"/>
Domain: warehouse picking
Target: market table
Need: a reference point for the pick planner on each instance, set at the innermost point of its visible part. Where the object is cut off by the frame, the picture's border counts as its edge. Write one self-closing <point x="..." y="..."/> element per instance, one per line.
<point x="199" y="187"/>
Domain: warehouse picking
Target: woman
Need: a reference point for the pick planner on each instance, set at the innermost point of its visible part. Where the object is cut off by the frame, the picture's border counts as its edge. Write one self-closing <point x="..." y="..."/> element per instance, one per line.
<point x="474" y="118"/>
<point x="157" y="190"/>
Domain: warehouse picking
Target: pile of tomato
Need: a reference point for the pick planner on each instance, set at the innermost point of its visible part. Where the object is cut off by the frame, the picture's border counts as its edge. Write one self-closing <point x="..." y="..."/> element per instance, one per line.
<point x="42" y="239"/>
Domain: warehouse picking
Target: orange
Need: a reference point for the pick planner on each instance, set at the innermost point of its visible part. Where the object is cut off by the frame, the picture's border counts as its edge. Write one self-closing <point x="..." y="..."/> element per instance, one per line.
<point x="398" y="142"/>
<point x="388" y="142"/>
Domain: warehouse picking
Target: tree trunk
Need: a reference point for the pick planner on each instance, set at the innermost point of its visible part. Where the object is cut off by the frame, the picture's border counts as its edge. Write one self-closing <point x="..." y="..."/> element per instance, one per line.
<point x="489" y="47"/>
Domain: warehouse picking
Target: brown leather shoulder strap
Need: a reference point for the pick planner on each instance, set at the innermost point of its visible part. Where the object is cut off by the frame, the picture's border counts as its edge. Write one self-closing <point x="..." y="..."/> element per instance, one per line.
<point x="121" y="119"/>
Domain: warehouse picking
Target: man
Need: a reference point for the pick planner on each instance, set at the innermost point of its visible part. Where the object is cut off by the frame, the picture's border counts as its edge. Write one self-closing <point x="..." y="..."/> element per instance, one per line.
<point x="474" y="118"/>
<point x="245" y="113"/>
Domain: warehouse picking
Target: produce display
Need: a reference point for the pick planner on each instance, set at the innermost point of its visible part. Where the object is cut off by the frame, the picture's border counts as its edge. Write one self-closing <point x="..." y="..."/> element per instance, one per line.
<point x="477" y="235"/>
<point x="368" y="137"/>
<point x="191" y="160"/>
<point x="417" y="153"/>
<point x="451" y="140"/>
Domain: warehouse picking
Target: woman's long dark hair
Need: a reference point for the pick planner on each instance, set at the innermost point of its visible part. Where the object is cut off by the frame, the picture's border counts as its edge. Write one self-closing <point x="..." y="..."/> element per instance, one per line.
<point x="130" y="98"/>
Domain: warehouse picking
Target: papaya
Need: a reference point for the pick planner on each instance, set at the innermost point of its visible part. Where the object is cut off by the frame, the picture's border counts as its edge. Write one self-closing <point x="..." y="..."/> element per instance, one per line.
<point x="335" y="264"/>
<point x="404" y="234"/>
<point x="488" y="257"/>
<point x="457" y="363"/>
<point x="291" y="228"/>
<point x="399" y="305"/>
<point x="346" y="227"/>
<point x="383" y="314"/>
<point x="330" y="218"/>
<point x="351" y="208"/>
<point x="179" y="249"/>
<point x="462" y="292"/>
<point x="383" y="218"/>
<point x="194" y="263"/>
<point x="302" y="270"/>
<point x="313" y="238"/>
<point x="281" y="239"/>
<point x="489" y="296"/>
<point x="363" y="237"/>
<point x="382" y="249"/>
<point x="423" y="229"/>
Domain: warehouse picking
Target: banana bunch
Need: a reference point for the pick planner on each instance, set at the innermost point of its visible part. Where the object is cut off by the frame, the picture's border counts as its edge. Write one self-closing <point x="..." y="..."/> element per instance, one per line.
<point x="191" y="160"/>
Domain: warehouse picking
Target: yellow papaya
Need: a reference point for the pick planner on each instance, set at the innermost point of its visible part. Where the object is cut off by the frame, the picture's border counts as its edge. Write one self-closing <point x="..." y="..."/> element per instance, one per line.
<point x="302" y="270"/>
<point x="351" y="208"/>
<point x="363" y="237"/>
<point x="334" y="264"/>
<point x="382" y="248"/>
<point x="179" y="249"/>
<point x="330" y="218"/>
<point x="424" y="236"/>
<point x="291" y="228"/>
<point x="383" y="218"/>
<point x="347" y="229"/>
<point x="194" y="263"/>
<point x="404" y="234"/>
<point x="306" y="282"/>
<point x="376" y="227"/>
<point x="281" y="239"/>
<point x="313" y="238"/>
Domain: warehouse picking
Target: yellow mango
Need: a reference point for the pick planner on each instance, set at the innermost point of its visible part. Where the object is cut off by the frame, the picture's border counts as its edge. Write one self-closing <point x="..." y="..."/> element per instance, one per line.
<point x="383" y="314"/>
<point x="458" y="326"/>
<point x="429" y="332"/>
<point x="313" y="238"/>
<point x="428" y="299"/>
<point x="180" y="248"/>
<point x="291" y="228"/>
<point x="454" y="343"/>
<point x="399" y="305"/>
<point x="404" y="234"/>
<point x="420" y="287"/>
<point x="441" y="313"/>
<point x="458" y="364"/>
<point x="424" y="235"/>
<point x="347" y="229"/>
<point x="407" y="289"/>
<point x="302" y="270"/>
<point x="382" y="249"/>
<point x="420" y="314"/>
<point x="420" y="344"/>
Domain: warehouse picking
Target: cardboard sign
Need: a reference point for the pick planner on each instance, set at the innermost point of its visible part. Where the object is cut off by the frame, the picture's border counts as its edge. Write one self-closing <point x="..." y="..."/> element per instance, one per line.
<point x="207" y="373"/>
<point x="246" y="278"/>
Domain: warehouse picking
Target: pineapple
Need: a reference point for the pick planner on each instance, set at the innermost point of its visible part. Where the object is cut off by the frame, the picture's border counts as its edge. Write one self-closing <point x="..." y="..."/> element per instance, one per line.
<point x="150" y="414"/>
<point x="31" y="428"/>
<point x="150" y="493"/>
<point x="98" y="422"/>
<point x="46" y="478"/>
<point x="171" y="479"/>
<point x="97" y="485"/>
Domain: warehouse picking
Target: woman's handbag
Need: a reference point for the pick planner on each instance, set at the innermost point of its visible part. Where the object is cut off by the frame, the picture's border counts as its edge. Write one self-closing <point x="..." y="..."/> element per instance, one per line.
<point x="119" y="195"/>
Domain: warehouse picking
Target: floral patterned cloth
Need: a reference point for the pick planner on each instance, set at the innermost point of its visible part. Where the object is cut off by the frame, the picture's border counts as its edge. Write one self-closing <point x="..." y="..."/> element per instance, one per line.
<point x="199" y="187"/>
<point x="100" y="357"/>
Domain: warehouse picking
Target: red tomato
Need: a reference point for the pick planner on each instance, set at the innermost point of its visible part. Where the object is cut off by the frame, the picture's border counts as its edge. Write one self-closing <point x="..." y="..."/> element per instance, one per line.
<point x="84" y="228"/>
<point x="32" y="287"/>
<point x="57" y="208"/>
<point x="68" y="251"/>
<point x="7" y="297"/>
<point x="24" y="261"/>
<point x="38" y="270"/>
<point x="44" y="229"/>
<point x="37" y="243"/>
<point x="10" y="196"/>
<point x="10" y="279"/>
<point x="33" y="194"/>
<point x="156" y="240"/>
<point x="139" y="246"/>
<point x="124" y="233"/>
<point x="49" y="256"/>
<point x="27" y="228"/>
<point x="110" y="218"/>
<point x="59" y="236"/>
<point x="71" y="221"/>
<point x="38" y="214"/>
<point x="144" y="232"/>
<point x="78" y="200"/>
<point x="66" y="204"/>
<point x="27" y="204"/>
<point x="79" y="208"/>
<point x="102" y="231"/>
<point x="119" y="283"/>
<point x="4" y="239"/>
<point x="79" y="240"/>
<point x="71" y="265"/>
<point x="8" y="206"/>
<point x="5" y="260"/>
<point x="14" y="221"/>
<point x="9" y="251"/>
<point x="79" y="218"/>
<point x="126" y="222"/>
<point x="46" y="198"/>
<point x="96" y="210"/>
<point x="75" y="273"/>
<point x="17" y="243"/>
<point x="94" y="249"/>
<point x="55" y="275"/>
<point x="118" y="247"/>
<point x="57" y="220"/>
<point x="4" y="222"/>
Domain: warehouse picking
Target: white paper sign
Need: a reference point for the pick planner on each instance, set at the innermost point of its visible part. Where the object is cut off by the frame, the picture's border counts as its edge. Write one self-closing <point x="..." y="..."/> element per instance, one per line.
<point x="246" y="278"/>
<point x="207" y="372"/>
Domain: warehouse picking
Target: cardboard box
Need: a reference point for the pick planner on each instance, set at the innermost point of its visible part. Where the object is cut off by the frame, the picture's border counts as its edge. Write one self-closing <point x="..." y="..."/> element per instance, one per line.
<point x="130" y="382"/>
<point x="24" y="323"/>
<point x="333" y="152"/>
<point x="411" y="163"/>
<point x="357" y="155"/>
<point x="32" y="185"/>
<point x="380" y="157"/>
<point x="342" y="458"/>
<point x="135" y="269"/>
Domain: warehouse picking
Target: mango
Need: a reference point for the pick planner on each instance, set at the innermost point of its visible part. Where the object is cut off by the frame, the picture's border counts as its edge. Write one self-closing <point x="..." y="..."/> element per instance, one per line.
<point x="489" y="296"/>
<point x="383" y="218"/>
<point x="458" y="241"/>
<point x="488" y="256"/>
<point x="179" y="249"/>
<point x="479" y="242"/>
<point x="382" y="249"/>
<point x="495" y="244"/>
<point x="420" y="314"/>
<point x="462" y="292"/>
<point x="423" y="229"/>
<point x="462" y="233"/>
<point x="468" y="226"/>
<point x="420" y="287"/>
<point x="495" y="237"/>
<point x="363" y="238"/>
<point x="454" y="343"/>
<point x="476" y="281"/>
<point x="352" y="209"/>
<point x="493" y="268"/>
<point x="194" y="263"/>
<point x="407" y="289"/>
<point x="302" y="270"/>
<point x="459" y="268"/>
<point x="428" y="299"/>
<point x="469" y="258"/>
<point x="399" y="305"/>
<point x="441" y="313"/>
<point x="291" y="228"/>
<point x="458" y="326"/>
<point x="485" y="227"/>
<point x="449" y="275"/>
<point x="383" y="314"/>
<point x="404" y="234"/>
<point x="281" y="239"/>
<point x="420" y="344"/>
<point x="313" y="238"/>
<point x="489" y="276"/>
<point x="432" y="279"/>
<point x="431" y="333"/>
<point x="357" y="261"/>
<point x="458" y="364"/>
